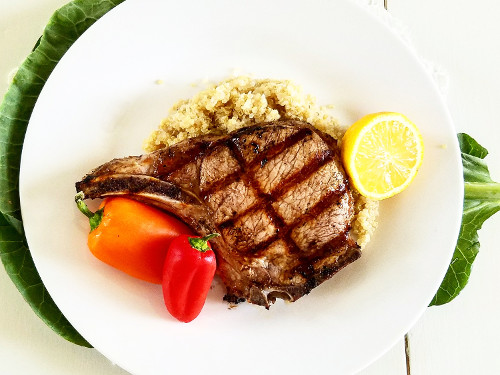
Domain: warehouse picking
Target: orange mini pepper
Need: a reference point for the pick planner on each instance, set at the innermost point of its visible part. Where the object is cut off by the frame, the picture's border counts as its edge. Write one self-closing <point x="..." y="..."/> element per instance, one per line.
<point x="132" y="236"/>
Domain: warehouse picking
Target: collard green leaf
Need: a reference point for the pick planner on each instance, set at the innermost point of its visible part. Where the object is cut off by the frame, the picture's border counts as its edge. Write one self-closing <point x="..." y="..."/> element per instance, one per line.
<point x="64" y="28"/>
<point x="481" y="200"/>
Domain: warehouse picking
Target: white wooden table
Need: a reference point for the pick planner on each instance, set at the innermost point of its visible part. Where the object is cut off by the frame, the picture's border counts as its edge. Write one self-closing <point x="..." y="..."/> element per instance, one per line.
<point x="458" y="338"/>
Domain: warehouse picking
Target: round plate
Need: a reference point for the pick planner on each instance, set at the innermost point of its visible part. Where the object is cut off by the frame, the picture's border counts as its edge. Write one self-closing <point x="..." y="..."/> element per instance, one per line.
<point x="103" y="99"/>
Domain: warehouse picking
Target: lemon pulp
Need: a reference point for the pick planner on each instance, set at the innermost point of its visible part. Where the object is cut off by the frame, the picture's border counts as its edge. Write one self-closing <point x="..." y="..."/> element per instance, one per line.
<point x="382" y="153"/>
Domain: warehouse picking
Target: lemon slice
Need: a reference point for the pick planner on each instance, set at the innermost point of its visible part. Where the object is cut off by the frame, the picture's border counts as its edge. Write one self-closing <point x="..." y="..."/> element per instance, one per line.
<point x="382" y="153"/>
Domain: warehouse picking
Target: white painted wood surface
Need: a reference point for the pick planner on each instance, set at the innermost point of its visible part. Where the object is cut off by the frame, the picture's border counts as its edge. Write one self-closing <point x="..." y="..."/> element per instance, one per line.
<point x="464" y="37"/>
<point x="459" y="338"/>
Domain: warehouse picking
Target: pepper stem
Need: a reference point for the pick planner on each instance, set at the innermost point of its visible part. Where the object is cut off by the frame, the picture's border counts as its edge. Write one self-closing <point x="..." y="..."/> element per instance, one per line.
<point x="79" y="197"/>
<point x="94" y="217"/>
<point x="201" y="244"/>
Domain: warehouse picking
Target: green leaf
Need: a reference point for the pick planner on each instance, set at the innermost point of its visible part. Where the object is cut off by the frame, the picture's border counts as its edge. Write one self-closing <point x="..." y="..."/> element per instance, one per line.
<point x="64" y="28"/>
<point x="481" y="200"/>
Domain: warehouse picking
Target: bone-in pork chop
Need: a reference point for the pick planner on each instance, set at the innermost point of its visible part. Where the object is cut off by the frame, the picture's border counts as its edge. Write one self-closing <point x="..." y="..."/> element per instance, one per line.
<point x="276" y="193"/>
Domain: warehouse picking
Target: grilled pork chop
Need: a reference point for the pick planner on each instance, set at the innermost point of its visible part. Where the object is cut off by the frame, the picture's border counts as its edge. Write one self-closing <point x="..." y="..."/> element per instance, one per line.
<point x="276" y="192"/>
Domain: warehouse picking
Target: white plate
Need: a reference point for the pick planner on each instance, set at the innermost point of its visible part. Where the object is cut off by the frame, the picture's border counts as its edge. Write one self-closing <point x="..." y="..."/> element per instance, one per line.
<point x="102" y="101"/>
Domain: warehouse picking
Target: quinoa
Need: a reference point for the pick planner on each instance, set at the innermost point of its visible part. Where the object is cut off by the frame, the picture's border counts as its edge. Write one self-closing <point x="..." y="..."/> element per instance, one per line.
<point x="242" y="101"/>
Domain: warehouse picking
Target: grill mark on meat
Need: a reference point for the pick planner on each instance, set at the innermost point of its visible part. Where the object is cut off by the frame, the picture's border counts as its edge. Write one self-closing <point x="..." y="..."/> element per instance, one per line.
<point x="271" y="152"/>
<point x="316" y="163"/>
<point x="250" y="231"/>
<point x="314" y="233"/>
<point x="164" y="169"/>
<point x="170" y="161"/>
<point x="331" y="198"/>
<point x="251" y="151"/>
<point x="229" y="203"/>
<point x="249" y="273"/>
<point x="283" y="231"/>
<point x="234" y="144"/>
<point x="309" y="197"/>
<point x="314" y="278"/>
<point x="123" y="184"/>
<point x="265" y="199"/>
<point x="346" y="243"/>
<point x="334" y="246"/>
<point x="217" y="164"/>
<point x="221" y="184"/>
<point x="282" y="167"/>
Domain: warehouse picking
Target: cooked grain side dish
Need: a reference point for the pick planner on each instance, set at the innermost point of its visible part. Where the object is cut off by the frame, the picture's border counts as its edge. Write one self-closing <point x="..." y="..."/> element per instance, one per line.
<point x="243" y="101"/>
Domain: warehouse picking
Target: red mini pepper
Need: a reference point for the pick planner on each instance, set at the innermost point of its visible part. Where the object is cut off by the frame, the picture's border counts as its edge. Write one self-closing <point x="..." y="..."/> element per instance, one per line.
<point x="187" y="275"/>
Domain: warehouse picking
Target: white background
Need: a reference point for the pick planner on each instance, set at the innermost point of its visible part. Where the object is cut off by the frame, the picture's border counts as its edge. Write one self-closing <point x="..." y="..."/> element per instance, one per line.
<point x="459" y="338"/>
